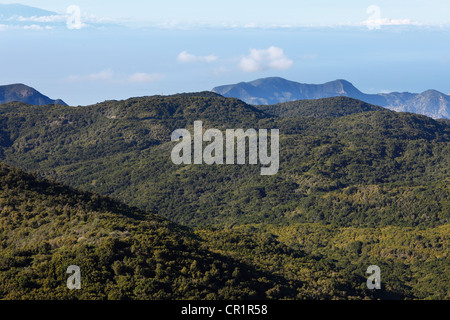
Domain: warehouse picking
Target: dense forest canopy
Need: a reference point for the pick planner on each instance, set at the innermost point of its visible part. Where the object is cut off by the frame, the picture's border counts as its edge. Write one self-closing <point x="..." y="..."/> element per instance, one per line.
<point x="358" y="185"/>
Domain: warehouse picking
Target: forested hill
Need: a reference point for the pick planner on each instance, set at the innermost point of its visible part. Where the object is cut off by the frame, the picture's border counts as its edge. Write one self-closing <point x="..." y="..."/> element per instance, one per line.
<point x="357" y="185"/>
<point x="125" y="253"/>
<point x="338" y="151"/>
<point x="320" y="108"/>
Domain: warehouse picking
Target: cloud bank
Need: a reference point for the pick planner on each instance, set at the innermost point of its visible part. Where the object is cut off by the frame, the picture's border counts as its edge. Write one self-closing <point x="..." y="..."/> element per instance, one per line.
<point x="186" y="57"/>
<point x="264" y="59"/>
<point x="109" y="76"/>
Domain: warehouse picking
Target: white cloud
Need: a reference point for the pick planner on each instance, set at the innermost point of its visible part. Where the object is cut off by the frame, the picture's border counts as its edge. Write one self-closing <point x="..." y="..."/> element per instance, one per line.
<point x="377" y="23"/>
<point x="33" y="27"/>
<point x="142" y="77"/>
<point x="109" y="76"/>
<point x="263" y="59"/>
<point x="106" y="75"/>
<point x="4" y="27"/>
<point x="42" y="19"/>
<point x="187" y="57"/>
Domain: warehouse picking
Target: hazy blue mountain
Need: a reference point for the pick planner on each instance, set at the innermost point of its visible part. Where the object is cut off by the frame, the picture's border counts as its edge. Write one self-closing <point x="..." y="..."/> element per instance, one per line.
<point x="268" y="91"/>
<point x="277" y="90"/>
<point x="17" y="16"/>
<point x="22" y="93"/>
<point x="11" y="10"/>
<point x="432" y="103"/>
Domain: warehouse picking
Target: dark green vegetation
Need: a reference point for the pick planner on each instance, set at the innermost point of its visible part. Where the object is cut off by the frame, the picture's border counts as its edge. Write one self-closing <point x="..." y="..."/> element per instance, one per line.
<point x="322" y="108"/>
<point x="358" y="185"/>
<point x="125" y="253"/>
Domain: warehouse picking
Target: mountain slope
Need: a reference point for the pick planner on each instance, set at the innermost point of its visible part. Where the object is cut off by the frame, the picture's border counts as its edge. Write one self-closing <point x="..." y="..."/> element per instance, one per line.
<point x="358" y="185"/>
<point x="125" y="253"/>
<point x="8" y="11"/>
<point x="122" y="252"/>
<point x="122" y="149"/>
<point x="431" y="103"/>
<point x="22" y="93"/>
<point x="277" y="90"/>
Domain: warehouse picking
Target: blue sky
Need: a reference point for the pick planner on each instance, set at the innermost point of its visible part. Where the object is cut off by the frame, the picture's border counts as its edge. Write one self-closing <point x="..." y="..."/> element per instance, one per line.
<point x="119" y="49"/>
<point x="256" y="11"/>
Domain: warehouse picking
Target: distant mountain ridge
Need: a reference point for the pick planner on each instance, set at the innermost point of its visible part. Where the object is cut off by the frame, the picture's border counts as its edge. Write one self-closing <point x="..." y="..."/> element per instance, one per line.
<point x="22" y="93"/>
<point x="8" y="11"/>
<point x="268" y="91"/>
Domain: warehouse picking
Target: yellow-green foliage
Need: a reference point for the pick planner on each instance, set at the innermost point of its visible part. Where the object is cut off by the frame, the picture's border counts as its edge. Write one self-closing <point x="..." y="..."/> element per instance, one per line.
<point x="357" y="185"/>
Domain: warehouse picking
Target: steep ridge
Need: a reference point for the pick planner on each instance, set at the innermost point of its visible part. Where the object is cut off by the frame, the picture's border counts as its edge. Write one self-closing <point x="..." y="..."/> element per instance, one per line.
<point x="268" y="91"/>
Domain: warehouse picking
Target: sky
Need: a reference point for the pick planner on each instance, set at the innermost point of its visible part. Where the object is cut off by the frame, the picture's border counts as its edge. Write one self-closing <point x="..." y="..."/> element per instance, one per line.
<point x="255" y="11"/>
<point x="90" y="51"/>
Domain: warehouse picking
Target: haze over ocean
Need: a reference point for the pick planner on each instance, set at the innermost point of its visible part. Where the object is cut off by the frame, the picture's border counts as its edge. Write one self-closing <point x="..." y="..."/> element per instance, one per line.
<point x="129" y="49"/>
